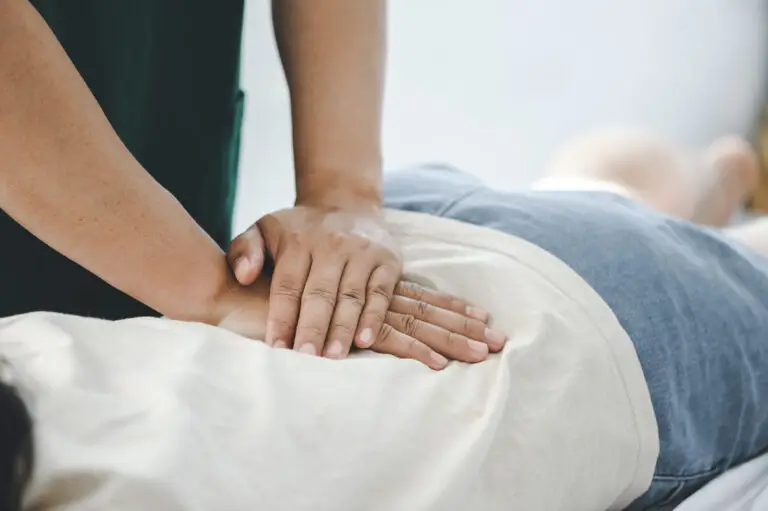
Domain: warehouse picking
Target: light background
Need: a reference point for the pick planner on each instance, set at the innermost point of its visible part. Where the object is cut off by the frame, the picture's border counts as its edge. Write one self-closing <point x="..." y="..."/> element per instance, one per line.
<point x="495" y="86"/>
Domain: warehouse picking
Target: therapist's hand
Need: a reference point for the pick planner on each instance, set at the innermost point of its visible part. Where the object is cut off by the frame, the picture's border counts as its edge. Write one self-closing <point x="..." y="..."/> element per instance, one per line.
<point x="434" y="327"/>
<point x="334" y="277"/>
<point x="422" y="324"/>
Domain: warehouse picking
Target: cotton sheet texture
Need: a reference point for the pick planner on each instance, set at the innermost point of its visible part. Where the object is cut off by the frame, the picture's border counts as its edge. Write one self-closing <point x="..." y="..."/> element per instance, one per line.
<point x="150" y="414"/>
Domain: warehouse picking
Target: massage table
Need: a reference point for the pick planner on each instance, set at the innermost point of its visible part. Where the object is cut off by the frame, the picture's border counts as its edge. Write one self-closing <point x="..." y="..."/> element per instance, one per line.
<point x="744" y="488"/>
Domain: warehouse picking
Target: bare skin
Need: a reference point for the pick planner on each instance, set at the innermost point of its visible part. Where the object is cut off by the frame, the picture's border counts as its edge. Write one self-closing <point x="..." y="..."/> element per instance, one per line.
<point x="336" y="266"/>
<point x="707" y="188"/>
<point x="66" y="177"/>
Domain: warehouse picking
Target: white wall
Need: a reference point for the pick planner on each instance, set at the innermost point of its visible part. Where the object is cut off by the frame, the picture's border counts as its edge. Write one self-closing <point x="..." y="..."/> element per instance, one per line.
<point x="494" y="86"/>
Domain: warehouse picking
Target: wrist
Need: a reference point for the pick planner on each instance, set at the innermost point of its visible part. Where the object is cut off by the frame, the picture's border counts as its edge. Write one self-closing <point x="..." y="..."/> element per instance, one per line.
<point x="244" y="309"/>
<point x="343" y="200"/>
<point x="208" y="296"/>
<point x="357" y="189"/>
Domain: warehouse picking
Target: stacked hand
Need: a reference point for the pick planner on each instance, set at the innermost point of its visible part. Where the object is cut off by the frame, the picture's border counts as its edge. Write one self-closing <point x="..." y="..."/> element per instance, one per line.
<point x="336" y="283"/>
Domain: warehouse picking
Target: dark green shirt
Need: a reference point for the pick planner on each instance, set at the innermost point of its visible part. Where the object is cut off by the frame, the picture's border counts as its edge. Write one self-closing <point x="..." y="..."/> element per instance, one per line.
<point x="166" y="73"/>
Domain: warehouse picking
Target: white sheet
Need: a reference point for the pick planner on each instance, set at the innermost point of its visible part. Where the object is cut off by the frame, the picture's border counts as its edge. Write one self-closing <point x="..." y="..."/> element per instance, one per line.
<point x="744" y="488"/>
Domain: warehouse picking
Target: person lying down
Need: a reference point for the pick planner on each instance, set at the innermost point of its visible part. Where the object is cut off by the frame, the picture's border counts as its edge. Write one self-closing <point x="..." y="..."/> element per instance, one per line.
<point x="636" y="368"/>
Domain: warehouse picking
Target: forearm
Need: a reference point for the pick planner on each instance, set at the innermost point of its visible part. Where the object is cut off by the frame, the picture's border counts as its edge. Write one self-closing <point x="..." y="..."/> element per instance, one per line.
<point x="333" y="52"/>
<point x="67" y="178"/>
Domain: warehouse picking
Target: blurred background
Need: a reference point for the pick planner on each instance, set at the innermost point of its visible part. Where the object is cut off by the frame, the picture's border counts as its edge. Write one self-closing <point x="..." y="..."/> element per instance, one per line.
<point x="494" y="87"/>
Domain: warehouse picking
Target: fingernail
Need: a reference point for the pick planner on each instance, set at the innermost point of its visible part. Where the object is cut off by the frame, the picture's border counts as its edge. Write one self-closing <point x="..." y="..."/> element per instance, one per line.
<point x="479" y="349"/>
<point x="366" y="338"/>
<point x="308" y="349"/>
<point x="280" y="345"/>
<point x="477" y="313"/>
<point x="242" y="266"/>
<point x="438" y="361"/>
<point x="495" y="337"/>
<point x="334" y="350"/>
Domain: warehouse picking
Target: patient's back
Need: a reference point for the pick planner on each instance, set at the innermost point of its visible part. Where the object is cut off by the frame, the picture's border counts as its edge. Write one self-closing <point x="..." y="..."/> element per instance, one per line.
<point x="155" y="414"/>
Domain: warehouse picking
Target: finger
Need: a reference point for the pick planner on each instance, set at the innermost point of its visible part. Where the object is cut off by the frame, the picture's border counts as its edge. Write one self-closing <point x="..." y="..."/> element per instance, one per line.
<point x="396" y="343"/>
<point x="349" y="305"/>
<point x="448" y="320"/>
<point x="285" y="293"/>
<point x="452" y="345"/>
<point x="246" y="255"/>
<point x="440" y="299"/>
<point x="317" y="304"/>
<point x="381" y="285"/>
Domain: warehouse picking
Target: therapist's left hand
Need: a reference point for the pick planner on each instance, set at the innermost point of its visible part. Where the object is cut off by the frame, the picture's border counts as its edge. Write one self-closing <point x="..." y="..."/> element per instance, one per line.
<point x="335" y="275"/>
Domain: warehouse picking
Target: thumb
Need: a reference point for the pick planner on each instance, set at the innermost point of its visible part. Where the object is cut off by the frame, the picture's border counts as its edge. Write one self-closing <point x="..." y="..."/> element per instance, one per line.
<point x="246" y="255"/>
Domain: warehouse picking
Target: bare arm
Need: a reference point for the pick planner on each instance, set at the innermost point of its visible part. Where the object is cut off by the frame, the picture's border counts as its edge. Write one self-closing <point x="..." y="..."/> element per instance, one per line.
<point x="67" y="178"/>
<point x="333" y="52"/>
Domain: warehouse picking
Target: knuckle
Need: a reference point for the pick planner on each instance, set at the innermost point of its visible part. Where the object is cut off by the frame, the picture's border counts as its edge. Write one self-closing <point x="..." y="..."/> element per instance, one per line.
<point x="379" y="290"/>
<point x="466" y="327"/>
<point x="287" y="288"/>
<point x="409" y="325"/>
<point x="417" y="292"/>
<point x="422" y="308"/>
<point x="320" y="294"/>
<point x="386" y="334"/>
<point x="337" y="240"/>
<point x="363" y="243"/>
<point x="455" y="342"/>
<point x="356" y="296"/>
